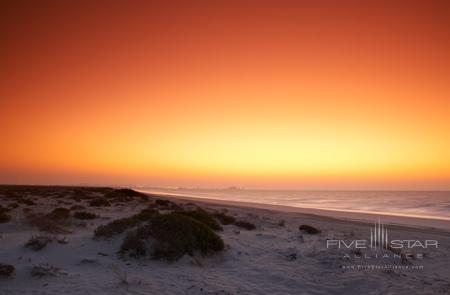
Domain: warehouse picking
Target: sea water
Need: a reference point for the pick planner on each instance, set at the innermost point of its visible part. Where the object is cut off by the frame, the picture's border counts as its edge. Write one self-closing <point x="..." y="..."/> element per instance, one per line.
<point x="427" y="204"/>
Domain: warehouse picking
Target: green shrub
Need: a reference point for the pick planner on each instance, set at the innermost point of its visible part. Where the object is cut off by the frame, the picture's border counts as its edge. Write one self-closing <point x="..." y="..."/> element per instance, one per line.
<point x="52" y="222"/>
<point x="3" y="209"/>
<point x="145" y="215"/>
<point x="163" y="203"/>
<point x="117" y="196"/>
<point x="13" y="205"/>
<point x="177" y="235"/>
<point x="6" y="270"/>
<point x="59" y="214"/>
<point x="204" y="217"/>
<point x="309" y="229"/>
<point x="224" y="219"/>
<point x="28" y="202"/>
<point x="4" y="217"/>
<point x="84" y="215"/>
<point x="124" y="195"/>
<point x="119" y="226"/>
<point x="38" y="242"/>
<point x="115" y="227"/>
<point x="99" y="202"/>
<point x="80" y="194"/>
<point x="245" y="224"/>
<point x="44" y="270"/>
<point x="132" y="193"/>
<point x="27" y="210"/>
<point x="77" y="207"/>
<point x="134" y="243"/>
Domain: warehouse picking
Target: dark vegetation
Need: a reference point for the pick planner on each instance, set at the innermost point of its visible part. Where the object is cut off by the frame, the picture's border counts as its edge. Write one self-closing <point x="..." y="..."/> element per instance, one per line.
<point x="177" y="235"/>
<point x="125" y="195"/>
<point x="3" y="209"/>
<point x="22" y="194"/>
<point x="173" y="235"/>
<point x="13" y="205"/>
<point x="52" y="222"/>
<point x="135" y="243"/>
<point x="44" y="270"/>
<point x="309" y="229"/>
<point x="224" y="219"/>
<point x="182" y="230"/>
<point x="204" y="217"/>
<point x="77" y="208"/>
<point x="99" y="202"/>
<point x="59" y="214"/>
<point x="4" y="216"/>
<point x="38" y="242"/>
<point x="119" y="226"/>
<point x="27" y="202"/>
<point x="6" y="270"/>
<point x="245" y="225"/>
<point x="84" y="215"/>
<point x="166" y="205"/>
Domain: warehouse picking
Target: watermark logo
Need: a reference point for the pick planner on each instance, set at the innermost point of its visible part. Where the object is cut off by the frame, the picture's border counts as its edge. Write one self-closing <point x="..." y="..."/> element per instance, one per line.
<point x="379" y="239"/>
<point x="382" y="250"/>
<point x="379" y="236"/>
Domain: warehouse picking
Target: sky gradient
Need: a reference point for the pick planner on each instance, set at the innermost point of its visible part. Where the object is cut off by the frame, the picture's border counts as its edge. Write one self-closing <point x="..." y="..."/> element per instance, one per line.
<point x="273" y="94"/>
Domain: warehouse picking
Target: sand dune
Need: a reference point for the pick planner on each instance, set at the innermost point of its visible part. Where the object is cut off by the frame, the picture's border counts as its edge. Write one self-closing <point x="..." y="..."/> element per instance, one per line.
<point x="274" y="258"/>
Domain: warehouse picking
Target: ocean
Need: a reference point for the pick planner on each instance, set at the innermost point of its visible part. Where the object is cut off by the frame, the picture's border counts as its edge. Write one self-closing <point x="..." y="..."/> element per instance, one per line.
<point x="425" y="204"/>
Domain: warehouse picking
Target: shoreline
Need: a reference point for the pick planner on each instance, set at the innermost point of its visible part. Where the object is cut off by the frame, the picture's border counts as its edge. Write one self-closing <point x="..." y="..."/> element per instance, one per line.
<point x="265" y="250"/>
<point x="344" y="215"/>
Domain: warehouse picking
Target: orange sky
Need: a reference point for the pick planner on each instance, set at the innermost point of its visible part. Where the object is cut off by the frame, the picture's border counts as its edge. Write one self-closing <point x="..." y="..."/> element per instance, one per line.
<point x="294" y="94"/>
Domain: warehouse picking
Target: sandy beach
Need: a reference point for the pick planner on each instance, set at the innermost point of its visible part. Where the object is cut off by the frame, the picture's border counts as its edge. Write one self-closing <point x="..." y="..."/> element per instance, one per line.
<point x="273" y="258"/>
<point x="367" y="216"/>
<point x="225" y="147"/>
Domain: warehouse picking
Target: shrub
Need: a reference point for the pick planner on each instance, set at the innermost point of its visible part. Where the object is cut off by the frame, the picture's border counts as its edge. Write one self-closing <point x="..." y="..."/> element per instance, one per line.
<point x="13" y="205"/>
<point x="84" y="215"/>
<point x="124" y="195"/>
<point x="245" y="224"/>
<point x="50" y="223"/>
<point x="3" y="209"/>
<point x="177" y="235"/>
<point x="27" y="210"/>
<point x="6" y="270"/>
<point x="99" y="202"/>
<point x="118" y="226"/>
<point x="77" y="207"/>
<point x="117" y="196"/>
<point x="79" y="194"/>
<point x="134" y="243"/>
<point x="38" y="243"/>
<point x="224" y="219"/>
<point x="145" y="215"/>
<point x="4" y="217"/>
<point x="28" y="202"/>
<point x="308" y="229"/>
<point x="131" y="193"/>
<point x="162" y="203"/>
<point x="204" y="217"/>
<point x="59" y="214"/>
<point x="44" y="270"/>
<point x="115" y="227"/>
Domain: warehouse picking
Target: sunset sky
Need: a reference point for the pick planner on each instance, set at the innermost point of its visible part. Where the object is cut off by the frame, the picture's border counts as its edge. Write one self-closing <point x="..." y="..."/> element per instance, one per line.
<point x="267" y="94"/>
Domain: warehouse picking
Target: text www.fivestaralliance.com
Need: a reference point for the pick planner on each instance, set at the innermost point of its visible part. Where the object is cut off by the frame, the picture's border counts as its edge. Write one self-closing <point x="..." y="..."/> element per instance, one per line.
<point x="384" y="266"/>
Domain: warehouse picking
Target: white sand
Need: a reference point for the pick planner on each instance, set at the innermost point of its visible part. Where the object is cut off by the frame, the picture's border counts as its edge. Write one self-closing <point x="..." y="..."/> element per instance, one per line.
<point x="254" y="262"/>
